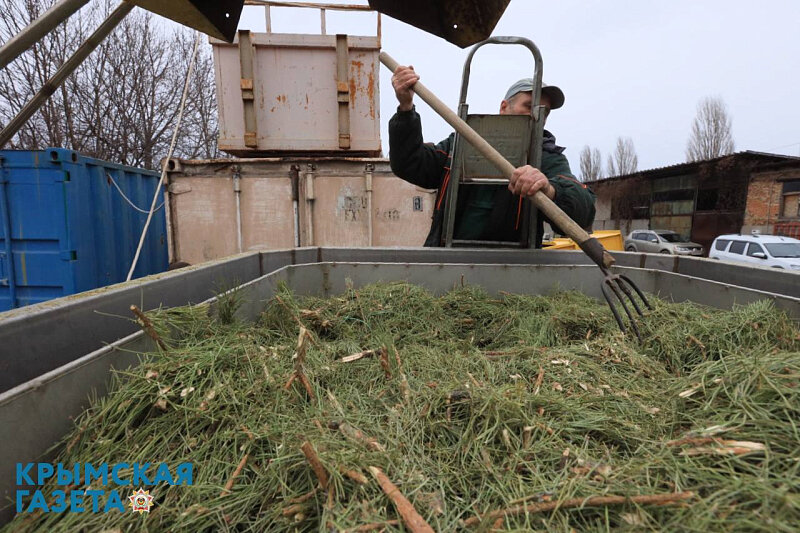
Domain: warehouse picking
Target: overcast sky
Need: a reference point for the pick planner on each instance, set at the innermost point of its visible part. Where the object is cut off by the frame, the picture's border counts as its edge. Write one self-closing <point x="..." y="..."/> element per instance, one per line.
<point x="633" y="68"/>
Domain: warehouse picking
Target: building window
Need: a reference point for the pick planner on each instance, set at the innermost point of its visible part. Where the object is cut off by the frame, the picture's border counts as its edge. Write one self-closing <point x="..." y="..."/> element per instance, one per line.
<point x="673" y="196"/>
<point x="790" y="204"/>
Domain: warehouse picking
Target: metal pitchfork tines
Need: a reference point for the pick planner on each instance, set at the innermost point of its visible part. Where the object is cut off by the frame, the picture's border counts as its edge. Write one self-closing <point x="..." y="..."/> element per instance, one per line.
<point x="615" y="285"/>
<point x="618" y="285"/>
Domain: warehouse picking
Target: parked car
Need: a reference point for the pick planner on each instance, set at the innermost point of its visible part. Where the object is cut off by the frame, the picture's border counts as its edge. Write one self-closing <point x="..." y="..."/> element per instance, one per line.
<point x="762" y="250"/>
<point x="661" y="242"/>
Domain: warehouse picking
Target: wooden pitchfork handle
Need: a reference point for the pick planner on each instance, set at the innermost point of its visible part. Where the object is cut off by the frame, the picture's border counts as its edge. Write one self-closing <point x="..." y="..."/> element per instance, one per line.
<point x="587" y="243"/>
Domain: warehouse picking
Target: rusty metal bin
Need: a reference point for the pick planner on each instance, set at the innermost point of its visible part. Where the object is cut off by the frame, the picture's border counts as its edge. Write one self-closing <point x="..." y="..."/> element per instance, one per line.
<point x="282" y="93"/>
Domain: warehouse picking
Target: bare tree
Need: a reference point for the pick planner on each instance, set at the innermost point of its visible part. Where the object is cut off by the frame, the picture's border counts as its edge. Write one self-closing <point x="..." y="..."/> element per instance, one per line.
<point x="20" y="80"/>
<point x="711" y="131"/>
<point x="591" y="164"/>
<point x="121" y="105"/>
<point x="623" y="160"/>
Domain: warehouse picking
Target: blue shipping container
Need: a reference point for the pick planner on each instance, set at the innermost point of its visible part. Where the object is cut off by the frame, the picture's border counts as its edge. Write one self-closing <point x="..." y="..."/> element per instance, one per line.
<point x="72" y="223"/>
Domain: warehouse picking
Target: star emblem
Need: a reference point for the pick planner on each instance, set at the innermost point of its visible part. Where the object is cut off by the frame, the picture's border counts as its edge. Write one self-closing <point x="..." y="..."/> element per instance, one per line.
<point x="141" y="501"/>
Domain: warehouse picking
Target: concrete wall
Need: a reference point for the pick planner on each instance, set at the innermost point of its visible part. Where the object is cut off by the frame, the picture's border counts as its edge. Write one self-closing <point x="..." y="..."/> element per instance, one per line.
<point x="603" y="220"/>
<point x="602" y="211"/>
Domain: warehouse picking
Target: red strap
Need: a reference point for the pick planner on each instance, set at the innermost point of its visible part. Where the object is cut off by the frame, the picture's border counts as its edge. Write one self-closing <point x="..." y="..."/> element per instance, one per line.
<point x="443" y="189"/>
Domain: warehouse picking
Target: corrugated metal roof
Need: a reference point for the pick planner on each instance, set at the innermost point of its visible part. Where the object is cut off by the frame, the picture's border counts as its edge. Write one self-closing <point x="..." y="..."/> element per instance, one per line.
<point x="679" y="168"/>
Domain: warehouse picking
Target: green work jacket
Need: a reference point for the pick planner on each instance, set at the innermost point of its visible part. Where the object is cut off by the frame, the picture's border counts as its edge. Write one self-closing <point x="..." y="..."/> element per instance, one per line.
<point x="484" y="212"/>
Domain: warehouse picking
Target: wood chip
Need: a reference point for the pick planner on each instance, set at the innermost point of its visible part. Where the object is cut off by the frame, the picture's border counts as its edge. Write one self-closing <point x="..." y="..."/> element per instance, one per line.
<point x="411" y="518"/>
<point x="726" y="447"/>
<point x="539" y="379"/>
<point x="356" y="435"/>
<point x="354" y="475"/>
<point x="358" y="356"/>
<point x="232" y="480"/>
<point x="316" y="464"/>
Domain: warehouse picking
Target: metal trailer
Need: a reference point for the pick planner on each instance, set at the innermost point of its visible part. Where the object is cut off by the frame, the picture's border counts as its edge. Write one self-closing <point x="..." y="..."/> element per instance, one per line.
<point x="54" y="355"/>
<point x="71" y="223"/>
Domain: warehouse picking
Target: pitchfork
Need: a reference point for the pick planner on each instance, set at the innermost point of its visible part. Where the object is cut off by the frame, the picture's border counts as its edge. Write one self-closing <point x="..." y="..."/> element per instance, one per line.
<point x="614" y="285"/>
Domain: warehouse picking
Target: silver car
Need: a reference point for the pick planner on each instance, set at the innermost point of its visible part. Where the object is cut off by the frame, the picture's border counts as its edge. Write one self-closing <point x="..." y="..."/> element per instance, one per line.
<point x="661" y="242"/>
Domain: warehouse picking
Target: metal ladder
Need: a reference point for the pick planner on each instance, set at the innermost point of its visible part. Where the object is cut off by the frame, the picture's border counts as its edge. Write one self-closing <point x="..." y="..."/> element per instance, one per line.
<point x="517" y="137"/>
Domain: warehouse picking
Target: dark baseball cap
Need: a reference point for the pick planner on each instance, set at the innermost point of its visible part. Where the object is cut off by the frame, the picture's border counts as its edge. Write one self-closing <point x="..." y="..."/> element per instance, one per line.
<point x="555" y="94"/>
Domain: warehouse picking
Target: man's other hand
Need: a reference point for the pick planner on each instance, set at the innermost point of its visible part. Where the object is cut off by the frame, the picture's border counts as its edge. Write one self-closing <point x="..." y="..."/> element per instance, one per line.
<point x="526" y="181"/>
<point x="403" y="79"/>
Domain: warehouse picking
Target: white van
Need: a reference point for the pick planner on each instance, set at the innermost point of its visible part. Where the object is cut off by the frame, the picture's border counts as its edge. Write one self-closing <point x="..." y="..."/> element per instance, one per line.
<point x="760" y="250"/>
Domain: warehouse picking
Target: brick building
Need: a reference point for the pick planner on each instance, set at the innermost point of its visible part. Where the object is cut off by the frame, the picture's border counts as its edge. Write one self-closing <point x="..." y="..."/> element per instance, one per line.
<point x="736" y="193"/>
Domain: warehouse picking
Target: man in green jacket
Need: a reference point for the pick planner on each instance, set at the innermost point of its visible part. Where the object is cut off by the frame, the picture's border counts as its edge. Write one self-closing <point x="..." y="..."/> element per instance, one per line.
<point x="485" y="212"/>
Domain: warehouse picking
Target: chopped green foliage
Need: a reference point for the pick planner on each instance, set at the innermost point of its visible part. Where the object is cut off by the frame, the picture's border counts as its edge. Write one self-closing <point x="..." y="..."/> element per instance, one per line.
<point x="477" y="403"/>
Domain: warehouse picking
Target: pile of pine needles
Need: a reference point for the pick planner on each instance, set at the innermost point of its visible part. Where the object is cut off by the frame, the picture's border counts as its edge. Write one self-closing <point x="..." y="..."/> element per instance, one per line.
<point x="391" y="409"/>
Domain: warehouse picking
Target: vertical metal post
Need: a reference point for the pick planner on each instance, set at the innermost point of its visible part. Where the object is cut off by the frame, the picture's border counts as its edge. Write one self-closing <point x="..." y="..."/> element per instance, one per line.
<point x="294" y="177"/>
<point x="268" y="18"/>
<point x="343" y="90"/>
<point x="6" y="217"/>
<point x="368" y="175"/>
<point x="535" y="160"/>
<point x="168" y="216"/>
<point x="237" y="191"/>
<point x="248" y="89"/>
<point x="323" y="24"/>
<point x="310" y="197"/>
<point x="451" y="194"/>
<point x="65" y="71"/>
<point x="37" y="29"/>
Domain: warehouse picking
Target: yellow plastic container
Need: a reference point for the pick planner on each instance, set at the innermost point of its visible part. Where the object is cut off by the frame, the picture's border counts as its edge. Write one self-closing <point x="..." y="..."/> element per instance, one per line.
<point x="610" y="239"/>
